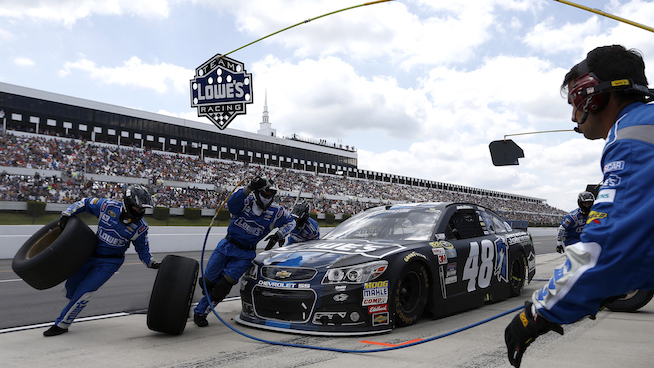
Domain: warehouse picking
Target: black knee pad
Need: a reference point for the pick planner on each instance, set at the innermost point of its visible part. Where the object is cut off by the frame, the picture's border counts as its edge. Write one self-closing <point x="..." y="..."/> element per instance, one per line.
<point x="221" y="288"/>
<point x="209" y="284"/>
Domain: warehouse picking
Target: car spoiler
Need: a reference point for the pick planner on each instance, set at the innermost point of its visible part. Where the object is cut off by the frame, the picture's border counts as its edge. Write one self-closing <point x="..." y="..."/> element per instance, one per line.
<point x="519" y="224"/>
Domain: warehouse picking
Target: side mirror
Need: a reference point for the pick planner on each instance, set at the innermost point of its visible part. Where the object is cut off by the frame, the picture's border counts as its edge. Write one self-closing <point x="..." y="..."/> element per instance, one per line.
<point x="505" y="152"/>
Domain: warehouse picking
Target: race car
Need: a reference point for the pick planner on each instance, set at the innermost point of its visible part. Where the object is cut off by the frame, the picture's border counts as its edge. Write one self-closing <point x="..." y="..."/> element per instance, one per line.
<point x="385" y="267"/>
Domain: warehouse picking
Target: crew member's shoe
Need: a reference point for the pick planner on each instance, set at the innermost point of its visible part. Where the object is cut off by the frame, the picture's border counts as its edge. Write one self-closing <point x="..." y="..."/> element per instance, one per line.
<point x="54" y="331"/>
<point x="200" y="320"/>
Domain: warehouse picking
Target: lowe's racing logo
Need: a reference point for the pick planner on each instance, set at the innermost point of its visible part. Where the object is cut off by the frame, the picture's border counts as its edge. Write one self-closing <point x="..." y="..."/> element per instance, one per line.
<point x="221" y="89"/>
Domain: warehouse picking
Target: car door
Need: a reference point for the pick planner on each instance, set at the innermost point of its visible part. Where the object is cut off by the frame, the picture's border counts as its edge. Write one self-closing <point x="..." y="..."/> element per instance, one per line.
<point x="471" y="270"/>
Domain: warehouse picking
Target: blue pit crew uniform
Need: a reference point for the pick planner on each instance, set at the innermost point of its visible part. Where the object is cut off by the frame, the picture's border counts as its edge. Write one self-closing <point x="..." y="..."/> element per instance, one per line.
<point x="235" y="252"/>
<point x="571" y="227"/>
<point x="309" y="231"/>
<point x="114" y="238"/>
<point x="616" y="251"/>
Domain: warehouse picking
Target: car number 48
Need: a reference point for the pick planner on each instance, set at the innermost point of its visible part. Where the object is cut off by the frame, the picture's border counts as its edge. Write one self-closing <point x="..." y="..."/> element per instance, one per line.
<point x="479" y="273"/>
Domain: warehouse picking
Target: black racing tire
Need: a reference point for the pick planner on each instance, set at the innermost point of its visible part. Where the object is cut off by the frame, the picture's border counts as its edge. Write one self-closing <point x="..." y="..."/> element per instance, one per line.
<point x="632" y="302"/>
<point x="517" y="273"/>
<point x="172" y="294"/>
<point x="411" y="294"/>
<point x="51" y="255"/>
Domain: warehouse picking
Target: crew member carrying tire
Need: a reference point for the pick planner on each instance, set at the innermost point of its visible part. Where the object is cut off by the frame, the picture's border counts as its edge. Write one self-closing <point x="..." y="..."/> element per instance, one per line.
<point x="120" y="224"/>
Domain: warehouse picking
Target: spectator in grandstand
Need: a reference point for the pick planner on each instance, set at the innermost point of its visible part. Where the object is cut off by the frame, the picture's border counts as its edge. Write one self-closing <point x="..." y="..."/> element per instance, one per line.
<point x="254" y="215"/>
<point x="608" y="93"/>
<point x="573" y="223"/>
<point x="120" y="224"/>
<point x="77" y="161"/>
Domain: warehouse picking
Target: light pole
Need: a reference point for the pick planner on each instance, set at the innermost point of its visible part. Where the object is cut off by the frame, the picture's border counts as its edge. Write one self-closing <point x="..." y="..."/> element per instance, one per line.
<point x="4" y="122"/>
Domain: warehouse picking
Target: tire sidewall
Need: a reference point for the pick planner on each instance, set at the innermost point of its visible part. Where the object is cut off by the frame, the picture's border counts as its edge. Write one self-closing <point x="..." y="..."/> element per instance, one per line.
<point x="61" y="259"/>
<point x="633" y="303"/>
<point x="408" y="317"/>
<point x="172" y="294"/>
<point x="522" y="266"/>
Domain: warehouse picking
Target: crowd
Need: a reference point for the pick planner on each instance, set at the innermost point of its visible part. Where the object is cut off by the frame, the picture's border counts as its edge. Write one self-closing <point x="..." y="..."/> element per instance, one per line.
<point x="76" y="159"/>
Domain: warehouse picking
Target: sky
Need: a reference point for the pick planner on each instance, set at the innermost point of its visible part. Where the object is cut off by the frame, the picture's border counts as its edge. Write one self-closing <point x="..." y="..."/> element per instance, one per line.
<point x="419" y="87"/>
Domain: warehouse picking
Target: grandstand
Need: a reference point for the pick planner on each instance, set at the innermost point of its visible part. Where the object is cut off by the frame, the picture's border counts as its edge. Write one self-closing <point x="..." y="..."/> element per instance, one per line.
<point x="58" y="149"/>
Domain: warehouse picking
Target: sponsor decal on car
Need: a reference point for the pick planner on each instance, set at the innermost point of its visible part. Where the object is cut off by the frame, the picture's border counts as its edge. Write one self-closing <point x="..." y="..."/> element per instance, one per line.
<point x="375" y="292"/>
<point x="450" y="275"/>
<point x="377" y="308"/>
<point x="283" y="274"/>
<point x="440" y="253"/>
<point x="450" y="250"/>
<point x="451" y="269"/>
<point x="380" y="319"/>
<point x="501" y="269"/>
<point x="517" y="238"/>
<point x="375" y="300"/>
<point x="283" y="285"/>
<point x="340" y="297"/>
<point x="413" y="255"/>
<point x="346" y="248"/>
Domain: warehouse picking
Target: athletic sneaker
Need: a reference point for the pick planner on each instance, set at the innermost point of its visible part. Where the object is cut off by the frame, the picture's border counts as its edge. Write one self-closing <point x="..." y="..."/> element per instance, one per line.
<point x="200" y="320"/>
<point x="54" y="331"/>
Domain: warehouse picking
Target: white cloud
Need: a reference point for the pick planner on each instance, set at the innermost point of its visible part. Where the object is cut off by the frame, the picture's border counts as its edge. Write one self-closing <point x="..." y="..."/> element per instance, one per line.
<point x="327" y="98"/>
<point x="551" y="38"/>
<point x="134" y="72"/>
<point x="23" y="61"/>
<point x="5" y="35"/>
<point x="68" y="12"/>
<point x="420" y="87"/>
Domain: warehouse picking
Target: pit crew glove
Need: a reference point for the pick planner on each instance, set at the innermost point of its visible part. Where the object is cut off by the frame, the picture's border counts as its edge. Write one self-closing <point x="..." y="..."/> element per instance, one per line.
<point x="560" y="249"/>
<point x="63" y="220"/>
<point x="525" y="327"/>
<point x="154" y="265"/>
<point x="257" y="183"/>
<point x="277" y="237"/>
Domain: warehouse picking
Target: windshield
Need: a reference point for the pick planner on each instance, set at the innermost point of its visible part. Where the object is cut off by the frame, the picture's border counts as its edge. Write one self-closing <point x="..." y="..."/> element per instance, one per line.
<point x="412" y="223"/>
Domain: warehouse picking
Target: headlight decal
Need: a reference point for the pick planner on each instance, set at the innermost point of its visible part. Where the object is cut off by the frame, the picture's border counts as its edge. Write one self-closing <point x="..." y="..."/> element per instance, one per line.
<point x="357" y="274"/>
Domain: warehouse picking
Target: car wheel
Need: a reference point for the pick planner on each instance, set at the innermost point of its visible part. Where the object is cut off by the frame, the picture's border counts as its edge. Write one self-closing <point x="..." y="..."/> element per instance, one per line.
<point x="632" y="302"/>
<point x="51" y="255"/>
<point x="517" y="274"/>
<point x="172" y="294"/>
<point x="410" y="294"/>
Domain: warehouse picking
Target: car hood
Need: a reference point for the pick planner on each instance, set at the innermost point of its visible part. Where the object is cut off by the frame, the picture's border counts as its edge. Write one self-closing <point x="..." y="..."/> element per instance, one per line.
<point x="322" y="253"/>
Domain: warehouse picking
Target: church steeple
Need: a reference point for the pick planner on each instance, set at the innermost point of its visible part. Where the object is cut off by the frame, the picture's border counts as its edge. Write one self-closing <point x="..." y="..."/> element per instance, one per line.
<point x="265" y="127"/>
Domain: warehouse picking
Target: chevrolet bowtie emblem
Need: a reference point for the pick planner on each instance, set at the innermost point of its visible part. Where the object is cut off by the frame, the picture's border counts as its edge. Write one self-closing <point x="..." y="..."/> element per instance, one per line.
<point x="283" y="274"/>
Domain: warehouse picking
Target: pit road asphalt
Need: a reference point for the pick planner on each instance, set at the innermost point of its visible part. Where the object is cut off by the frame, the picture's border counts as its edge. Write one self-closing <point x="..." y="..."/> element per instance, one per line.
<point x="613" y="339"/>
